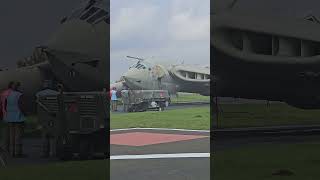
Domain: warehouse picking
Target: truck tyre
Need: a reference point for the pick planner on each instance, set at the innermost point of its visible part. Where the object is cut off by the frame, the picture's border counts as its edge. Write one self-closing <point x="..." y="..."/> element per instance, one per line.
<point x="161" y="106"/>
<point x="64" y="149"/>
<point x="84" y="149"/>
<point x="4" y="157"/>
<point x="145" y="106"/>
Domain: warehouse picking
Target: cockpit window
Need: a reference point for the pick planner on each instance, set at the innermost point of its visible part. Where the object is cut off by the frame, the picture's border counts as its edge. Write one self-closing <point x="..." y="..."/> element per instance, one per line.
<point x="92" y="12"/>
<point x="97" y="16"/>
<point x="139" y="66"/>
<point x="89" y="13"/>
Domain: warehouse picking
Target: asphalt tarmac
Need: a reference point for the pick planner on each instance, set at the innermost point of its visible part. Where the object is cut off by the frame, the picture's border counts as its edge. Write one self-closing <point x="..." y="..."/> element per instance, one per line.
<point x="163" y="154"/>
<point x="160" y="169"/>
<point x="162" y="161"/>
<point x="154" y="154"/>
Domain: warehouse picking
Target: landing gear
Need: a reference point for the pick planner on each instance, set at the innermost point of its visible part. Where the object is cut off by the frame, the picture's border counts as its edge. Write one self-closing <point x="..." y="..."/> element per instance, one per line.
<point x="4" y="157"/>
<point x="64" y="149"/>
<point x="162" y="105"/>
<point x="85" y="149"/>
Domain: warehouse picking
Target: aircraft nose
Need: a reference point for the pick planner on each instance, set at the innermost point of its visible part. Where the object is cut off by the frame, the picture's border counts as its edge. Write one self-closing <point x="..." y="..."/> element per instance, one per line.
<point x="135" y="77"/>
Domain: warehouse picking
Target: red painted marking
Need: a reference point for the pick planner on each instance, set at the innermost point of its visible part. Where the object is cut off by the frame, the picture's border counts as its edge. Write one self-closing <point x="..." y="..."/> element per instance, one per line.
<point x="142" y="139"/>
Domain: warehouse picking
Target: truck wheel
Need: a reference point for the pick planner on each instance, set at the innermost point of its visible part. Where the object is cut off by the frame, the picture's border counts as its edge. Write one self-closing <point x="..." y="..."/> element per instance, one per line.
<point x="161" y="106"/>
<point x="3" y="158"/>
<point x="84" y="149"/>
<point x="64" y="150"/>
<point x="145" y="106"/>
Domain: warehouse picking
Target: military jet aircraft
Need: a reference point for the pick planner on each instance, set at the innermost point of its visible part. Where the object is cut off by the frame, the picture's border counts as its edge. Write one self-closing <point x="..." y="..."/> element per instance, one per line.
<point x="76" y="55"/>
<point x="147" y="74"/>
<point x="258" y="56"/>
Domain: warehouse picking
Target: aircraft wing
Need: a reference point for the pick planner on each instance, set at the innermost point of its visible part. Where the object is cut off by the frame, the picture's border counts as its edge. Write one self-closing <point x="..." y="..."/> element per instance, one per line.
<point x="75" y="70"/>
<point x="262" y="39"/>
<point x="191" y="74"/>
<point x="71" y="58"/>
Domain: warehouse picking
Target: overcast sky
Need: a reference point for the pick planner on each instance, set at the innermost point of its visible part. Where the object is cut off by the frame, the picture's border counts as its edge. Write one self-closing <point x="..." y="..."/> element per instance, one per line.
<point x="27" y="24"/>
<point x="167" y="29"/>
<point x="172" y="29"/>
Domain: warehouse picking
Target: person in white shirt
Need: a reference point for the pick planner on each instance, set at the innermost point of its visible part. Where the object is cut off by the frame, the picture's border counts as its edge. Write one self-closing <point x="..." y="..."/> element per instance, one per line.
<point x="114" y="99"/>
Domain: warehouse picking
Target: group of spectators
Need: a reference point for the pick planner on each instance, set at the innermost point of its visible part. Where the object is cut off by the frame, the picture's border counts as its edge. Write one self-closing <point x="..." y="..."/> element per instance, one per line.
<point x="115" y="95"/>
<point x="13" y="113"/>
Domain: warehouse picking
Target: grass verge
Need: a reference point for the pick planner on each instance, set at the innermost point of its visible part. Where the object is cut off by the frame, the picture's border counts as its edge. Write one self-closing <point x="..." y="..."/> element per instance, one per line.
<point x="190" y="97"/>
<point x="189" y="118"/>
<point x="82" y="170"/>
<point x="269" y="162"/>
<point x="251" y="115"/>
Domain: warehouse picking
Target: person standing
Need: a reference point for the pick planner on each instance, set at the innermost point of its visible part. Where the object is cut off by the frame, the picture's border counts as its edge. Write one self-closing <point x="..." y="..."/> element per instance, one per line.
<point x="3" y="96"/>
<point x="15" y="116"/>
<point x="125" y="99"/>
<point x="46" y="90"/>
<point x="48" y="138"/>
<point x="114" y="99"/>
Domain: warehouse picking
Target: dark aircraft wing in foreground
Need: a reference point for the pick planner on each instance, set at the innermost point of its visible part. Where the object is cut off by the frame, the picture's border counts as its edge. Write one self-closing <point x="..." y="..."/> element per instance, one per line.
<point x="263" y="57"/>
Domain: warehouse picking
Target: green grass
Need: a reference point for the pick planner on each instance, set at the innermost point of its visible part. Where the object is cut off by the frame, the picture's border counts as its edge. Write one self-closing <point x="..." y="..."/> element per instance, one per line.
<point x="232" y="115"/>
<point x="189" y="97"/>
<point x="85" y="170"/>
<point x="190" y="118"/>
<point x="260" y="162"/>
<point x="246" y="115"/>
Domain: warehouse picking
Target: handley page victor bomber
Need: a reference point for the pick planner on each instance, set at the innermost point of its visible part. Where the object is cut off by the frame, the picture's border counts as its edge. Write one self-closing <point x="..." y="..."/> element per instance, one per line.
<point x="151" y="75"/>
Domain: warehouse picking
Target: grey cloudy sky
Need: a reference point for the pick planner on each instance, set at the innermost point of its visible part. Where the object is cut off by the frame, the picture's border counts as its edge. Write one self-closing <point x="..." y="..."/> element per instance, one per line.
<point x="167" y="29"/>
<point x="27" y="24"/>
<point x="173" y="29"/>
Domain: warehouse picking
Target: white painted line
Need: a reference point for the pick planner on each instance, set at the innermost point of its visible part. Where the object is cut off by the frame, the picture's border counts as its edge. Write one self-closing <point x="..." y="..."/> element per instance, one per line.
<point x="161" y="129"/>
<point x="160" y="156"/>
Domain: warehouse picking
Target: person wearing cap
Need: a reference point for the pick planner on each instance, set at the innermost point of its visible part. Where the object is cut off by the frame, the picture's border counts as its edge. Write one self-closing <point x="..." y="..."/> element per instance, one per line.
<point x="46" y="90"/>
<point x="47" y="137"/>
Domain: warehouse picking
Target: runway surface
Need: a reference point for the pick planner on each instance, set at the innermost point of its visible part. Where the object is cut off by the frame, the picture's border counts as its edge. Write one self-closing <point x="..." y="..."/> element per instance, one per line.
<point x="159" y="154"/>
<point x="138" y="154"/>
<point x="155" y="153"/>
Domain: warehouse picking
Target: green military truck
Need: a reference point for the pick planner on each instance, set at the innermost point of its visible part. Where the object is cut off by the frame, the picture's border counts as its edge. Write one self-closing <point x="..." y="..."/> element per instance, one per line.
<point x="78" y="123"/>
<point x="143" y="100"/>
